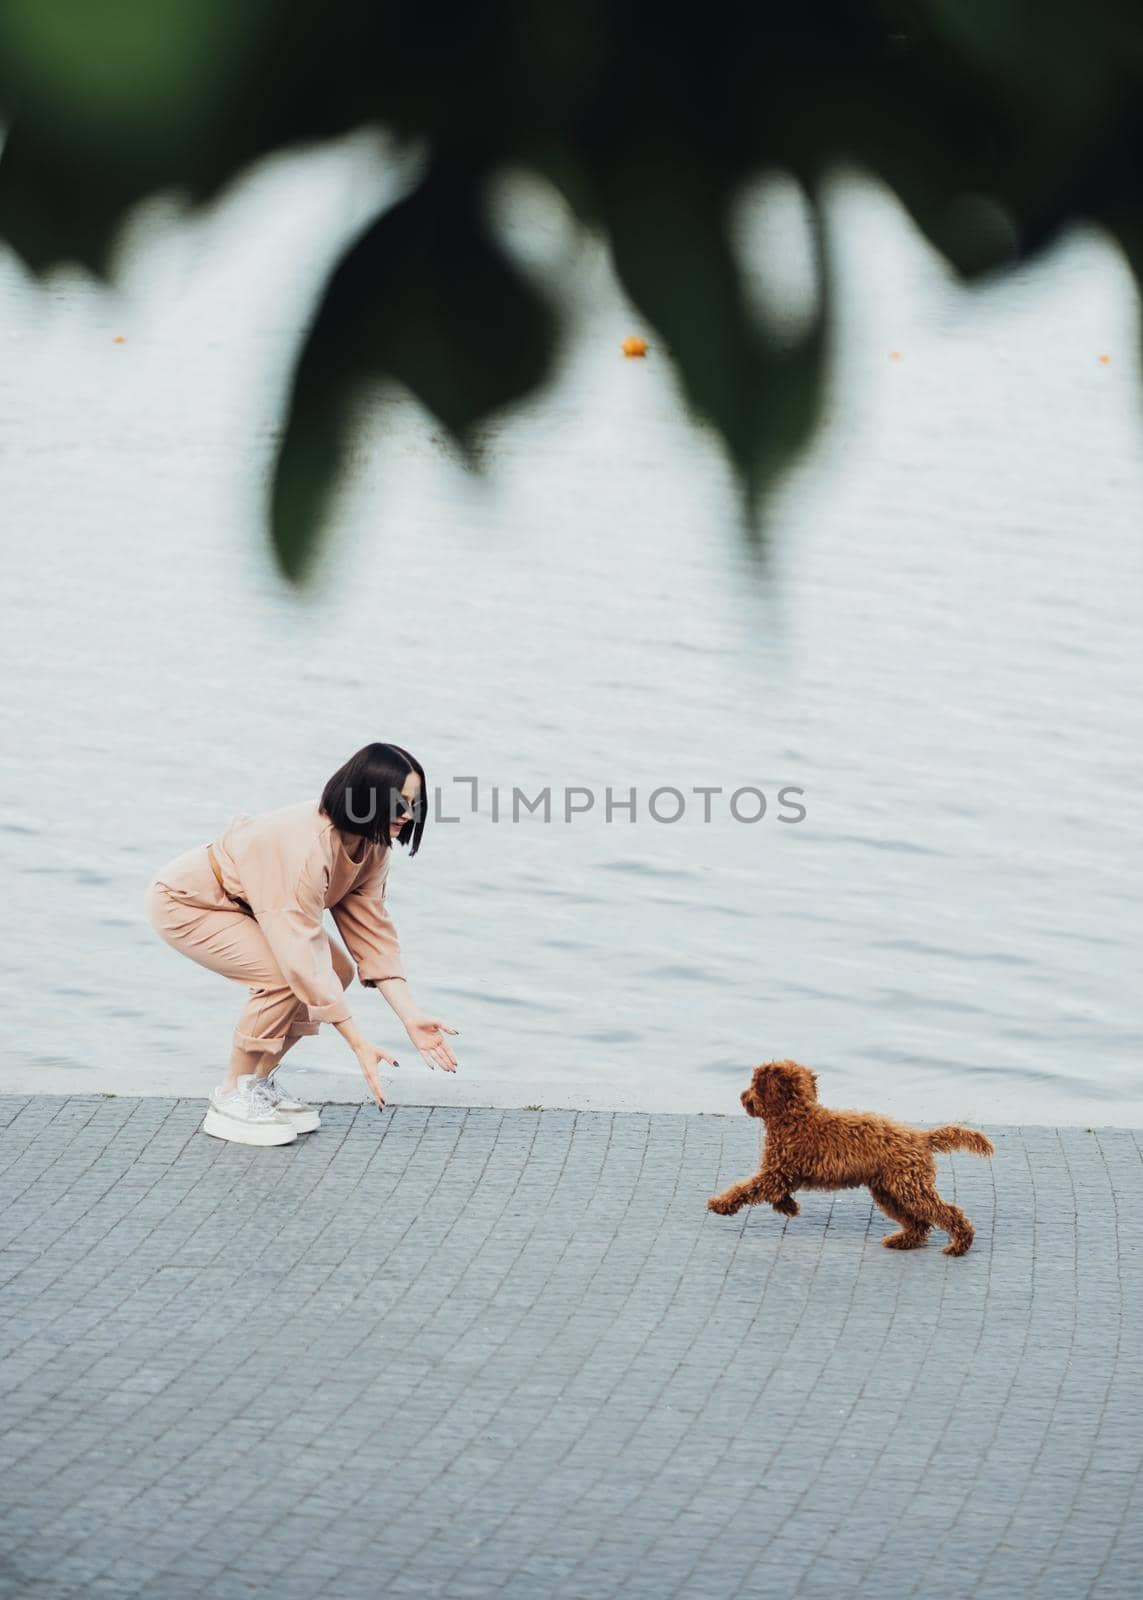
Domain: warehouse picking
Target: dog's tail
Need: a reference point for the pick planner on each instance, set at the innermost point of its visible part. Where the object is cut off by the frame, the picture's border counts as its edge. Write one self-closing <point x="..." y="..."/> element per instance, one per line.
<point x="952" y="1137"/>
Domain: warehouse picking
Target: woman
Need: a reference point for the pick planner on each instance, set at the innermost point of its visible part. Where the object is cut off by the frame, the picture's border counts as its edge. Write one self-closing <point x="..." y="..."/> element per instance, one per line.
<point x="250" y="906"/>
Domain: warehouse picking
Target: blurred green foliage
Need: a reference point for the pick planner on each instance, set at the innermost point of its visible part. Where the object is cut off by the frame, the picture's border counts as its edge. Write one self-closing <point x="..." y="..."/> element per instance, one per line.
<point x="996" y="122"/>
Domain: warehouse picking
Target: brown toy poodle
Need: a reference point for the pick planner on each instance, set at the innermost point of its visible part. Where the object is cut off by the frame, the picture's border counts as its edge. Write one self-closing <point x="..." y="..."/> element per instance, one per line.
<point x="808" y="1147"/>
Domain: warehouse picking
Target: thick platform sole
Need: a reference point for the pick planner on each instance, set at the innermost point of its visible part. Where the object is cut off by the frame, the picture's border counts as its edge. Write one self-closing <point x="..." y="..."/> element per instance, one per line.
<point x="303" y="1121"/>
<point x="260" y="1133"/>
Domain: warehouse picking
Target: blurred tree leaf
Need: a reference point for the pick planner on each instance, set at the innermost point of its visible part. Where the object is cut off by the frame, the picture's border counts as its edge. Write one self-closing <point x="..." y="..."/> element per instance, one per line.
<point x="164" y="62"/>
<point x="425" y="296"/>
<point x="667" y="223"/>
<point x="997" y="122"/>
<point x="110" y="101"/>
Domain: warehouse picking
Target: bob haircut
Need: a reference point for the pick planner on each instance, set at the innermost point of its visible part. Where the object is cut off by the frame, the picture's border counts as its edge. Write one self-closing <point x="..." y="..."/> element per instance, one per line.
<point x="357" y="798"/>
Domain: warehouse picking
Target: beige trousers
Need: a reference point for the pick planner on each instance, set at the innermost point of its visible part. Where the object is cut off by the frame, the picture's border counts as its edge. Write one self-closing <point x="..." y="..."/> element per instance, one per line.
<point x="188" y="909"/>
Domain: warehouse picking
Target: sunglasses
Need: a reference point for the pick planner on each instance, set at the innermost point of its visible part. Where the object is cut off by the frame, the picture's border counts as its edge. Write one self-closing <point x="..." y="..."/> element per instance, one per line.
<point x="406" y="810"/>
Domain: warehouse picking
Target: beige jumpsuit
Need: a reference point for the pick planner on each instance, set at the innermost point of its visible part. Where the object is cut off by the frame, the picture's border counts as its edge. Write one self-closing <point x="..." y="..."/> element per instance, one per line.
<point x="289" y="865"/>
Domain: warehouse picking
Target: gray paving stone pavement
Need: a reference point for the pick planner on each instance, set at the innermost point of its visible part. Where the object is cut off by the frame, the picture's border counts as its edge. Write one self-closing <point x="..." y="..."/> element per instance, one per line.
<point x="460" y="1354"/>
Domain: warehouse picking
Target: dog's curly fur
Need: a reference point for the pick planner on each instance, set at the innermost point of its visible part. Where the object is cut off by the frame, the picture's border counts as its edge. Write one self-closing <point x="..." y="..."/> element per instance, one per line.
<point x="808" y="1147"/>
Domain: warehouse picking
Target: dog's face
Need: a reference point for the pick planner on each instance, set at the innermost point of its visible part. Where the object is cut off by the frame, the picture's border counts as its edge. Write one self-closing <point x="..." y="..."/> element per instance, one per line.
<point x="778" y="1085"/>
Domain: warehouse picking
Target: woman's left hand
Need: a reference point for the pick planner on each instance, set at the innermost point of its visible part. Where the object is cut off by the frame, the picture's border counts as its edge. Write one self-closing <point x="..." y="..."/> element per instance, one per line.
<point x="428" y="1034"/>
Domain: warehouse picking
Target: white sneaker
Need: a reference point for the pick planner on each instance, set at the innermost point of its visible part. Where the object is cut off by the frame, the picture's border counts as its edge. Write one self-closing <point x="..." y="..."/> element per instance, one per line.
<point x="246" y="1115"/>
<point x="305" y="1118"/>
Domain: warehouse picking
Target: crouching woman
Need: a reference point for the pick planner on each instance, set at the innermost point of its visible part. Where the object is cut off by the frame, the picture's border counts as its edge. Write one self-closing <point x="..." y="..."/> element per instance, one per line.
<point x="250" y="906"/>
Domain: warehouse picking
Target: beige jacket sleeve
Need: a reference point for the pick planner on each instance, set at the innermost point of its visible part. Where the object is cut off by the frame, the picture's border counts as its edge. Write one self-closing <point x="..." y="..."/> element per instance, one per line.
<point x="300" y="944"/>
<point x="368" y="930"/>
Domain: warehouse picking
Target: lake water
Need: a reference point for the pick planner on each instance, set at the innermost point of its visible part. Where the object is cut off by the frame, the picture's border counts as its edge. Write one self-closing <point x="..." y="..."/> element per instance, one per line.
<point x="942" y="653"/>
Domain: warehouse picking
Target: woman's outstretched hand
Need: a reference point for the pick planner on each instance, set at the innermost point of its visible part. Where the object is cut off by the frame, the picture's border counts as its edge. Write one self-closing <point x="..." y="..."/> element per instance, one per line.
<point x="428" y="1034"/>
<point x="368" y="1055"/>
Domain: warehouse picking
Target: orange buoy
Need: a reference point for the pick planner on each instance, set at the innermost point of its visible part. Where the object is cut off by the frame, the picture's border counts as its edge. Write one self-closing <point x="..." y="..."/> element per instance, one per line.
<point x="634" y="346"/>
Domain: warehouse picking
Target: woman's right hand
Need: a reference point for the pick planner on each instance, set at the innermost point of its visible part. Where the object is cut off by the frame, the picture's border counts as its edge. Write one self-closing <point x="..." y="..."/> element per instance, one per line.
<point x="368" y="1055"/>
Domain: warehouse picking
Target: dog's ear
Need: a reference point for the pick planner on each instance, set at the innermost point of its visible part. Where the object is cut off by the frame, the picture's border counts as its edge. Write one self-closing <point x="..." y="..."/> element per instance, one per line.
<point x="775" y="1086"/>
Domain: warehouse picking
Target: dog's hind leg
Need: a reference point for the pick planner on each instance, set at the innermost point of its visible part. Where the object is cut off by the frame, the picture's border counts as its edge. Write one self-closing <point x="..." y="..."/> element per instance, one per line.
<point x="939" y="1213"/>
<point x="914" y="1231"/>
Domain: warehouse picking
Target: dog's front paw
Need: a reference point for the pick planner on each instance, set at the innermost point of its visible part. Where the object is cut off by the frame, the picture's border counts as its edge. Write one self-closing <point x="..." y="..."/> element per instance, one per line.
<point x="724" y="1206"/>
<point x="789" y="1207"/>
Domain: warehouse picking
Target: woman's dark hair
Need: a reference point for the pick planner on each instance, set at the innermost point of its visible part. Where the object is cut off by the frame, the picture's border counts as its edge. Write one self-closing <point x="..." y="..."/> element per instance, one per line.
<point x="357" y="799"/>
